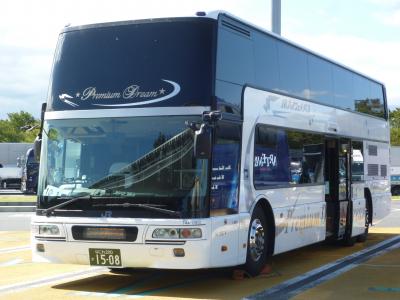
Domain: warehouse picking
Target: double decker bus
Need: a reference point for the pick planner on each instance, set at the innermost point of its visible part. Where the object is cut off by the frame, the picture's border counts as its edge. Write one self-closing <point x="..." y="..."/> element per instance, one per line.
<point x="203" y="142"/>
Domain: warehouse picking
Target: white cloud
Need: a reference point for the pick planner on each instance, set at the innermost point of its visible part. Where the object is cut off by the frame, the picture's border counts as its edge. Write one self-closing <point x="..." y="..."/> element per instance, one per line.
<point x="388" y="12"/>
<point x="386" y="3"/>
<point x="391" y="18"/>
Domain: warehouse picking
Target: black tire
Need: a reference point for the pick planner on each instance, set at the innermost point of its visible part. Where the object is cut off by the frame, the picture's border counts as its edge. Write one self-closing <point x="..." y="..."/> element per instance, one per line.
<point x="348" y="240"/>
<point x="257" y="243"/>
<point x="363" y="237"/>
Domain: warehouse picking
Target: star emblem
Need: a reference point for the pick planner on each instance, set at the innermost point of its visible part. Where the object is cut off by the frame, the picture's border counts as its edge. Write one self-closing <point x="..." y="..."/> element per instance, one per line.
<point x="78" y="95"/>
<point x="162" y="91"/>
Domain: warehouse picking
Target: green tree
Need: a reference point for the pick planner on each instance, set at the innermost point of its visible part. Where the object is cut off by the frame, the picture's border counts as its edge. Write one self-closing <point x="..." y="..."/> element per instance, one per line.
<point x="394" y="118"/>
<point x="11" y="131"/>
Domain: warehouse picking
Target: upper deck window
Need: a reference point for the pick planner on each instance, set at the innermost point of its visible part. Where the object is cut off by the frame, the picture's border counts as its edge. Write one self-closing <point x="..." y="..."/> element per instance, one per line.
<point x="264" y="61"/>
<point x="154" y="63"/>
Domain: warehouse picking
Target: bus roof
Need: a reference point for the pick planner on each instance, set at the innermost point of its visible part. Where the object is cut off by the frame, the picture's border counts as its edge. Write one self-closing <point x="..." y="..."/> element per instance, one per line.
<point x="215" y="15"/>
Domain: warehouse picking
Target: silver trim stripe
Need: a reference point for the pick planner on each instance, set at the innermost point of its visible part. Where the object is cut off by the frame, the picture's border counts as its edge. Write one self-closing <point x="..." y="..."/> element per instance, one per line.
<point x="125" y="112"/>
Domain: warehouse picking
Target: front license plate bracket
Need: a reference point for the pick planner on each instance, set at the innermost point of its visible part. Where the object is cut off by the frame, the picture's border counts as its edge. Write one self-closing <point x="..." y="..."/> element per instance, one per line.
<point x="105" y="257"/>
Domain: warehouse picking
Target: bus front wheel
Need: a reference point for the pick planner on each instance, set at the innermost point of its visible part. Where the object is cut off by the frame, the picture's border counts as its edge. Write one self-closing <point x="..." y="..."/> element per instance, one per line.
<point x="257" y="244"/>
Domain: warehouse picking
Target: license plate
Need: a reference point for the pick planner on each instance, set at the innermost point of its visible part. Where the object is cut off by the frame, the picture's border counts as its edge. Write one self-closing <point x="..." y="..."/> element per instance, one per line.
<point x="105" y="257"/>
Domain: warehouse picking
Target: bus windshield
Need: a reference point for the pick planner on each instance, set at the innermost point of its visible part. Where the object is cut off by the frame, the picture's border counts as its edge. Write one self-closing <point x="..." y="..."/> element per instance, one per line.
<point x="122" y="161"/>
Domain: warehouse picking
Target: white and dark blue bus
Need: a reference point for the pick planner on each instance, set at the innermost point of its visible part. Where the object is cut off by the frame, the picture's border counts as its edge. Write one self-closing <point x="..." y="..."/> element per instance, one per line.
<point x="203" y="142"/>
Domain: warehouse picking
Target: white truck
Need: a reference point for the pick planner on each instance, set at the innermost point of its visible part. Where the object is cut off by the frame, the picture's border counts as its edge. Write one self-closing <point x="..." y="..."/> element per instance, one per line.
<point x="10" y="176"/>
<point x="11" y="155"/>
<point x="395" y="170"/>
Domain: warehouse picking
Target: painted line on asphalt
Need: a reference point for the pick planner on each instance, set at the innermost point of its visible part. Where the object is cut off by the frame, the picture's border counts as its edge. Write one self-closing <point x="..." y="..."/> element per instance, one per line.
<point x="384" y="289"/>
<point x="21" y="215"/>
<point x="48" y="280"/>
<point x="15" y="249"/>
<point x="299" y="284"/>
<point x="381" y="266"/>
<point x="11" y="262"/>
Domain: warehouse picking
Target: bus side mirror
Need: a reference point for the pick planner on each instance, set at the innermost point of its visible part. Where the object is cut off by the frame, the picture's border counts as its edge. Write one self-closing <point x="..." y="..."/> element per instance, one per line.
<point x="203" y="142"/>
<point x="37" y="145"/>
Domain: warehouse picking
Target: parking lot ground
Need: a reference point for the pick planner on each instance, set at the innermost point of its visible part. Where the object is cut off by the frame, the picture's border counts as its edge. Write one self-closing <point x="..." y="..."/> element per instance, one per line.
<point x="10" y="195"/>
<point x="22" y="279"/>
<point x="11" y="239"/>
<point x="17" y="198"/>
<point x="377" y="278"/>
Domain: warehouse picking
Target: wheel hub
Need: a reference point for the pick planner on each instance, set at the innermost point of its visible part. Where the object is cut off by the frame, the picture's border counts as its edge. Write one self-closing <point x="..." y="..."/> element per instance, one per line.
<point x="256" y="240"/>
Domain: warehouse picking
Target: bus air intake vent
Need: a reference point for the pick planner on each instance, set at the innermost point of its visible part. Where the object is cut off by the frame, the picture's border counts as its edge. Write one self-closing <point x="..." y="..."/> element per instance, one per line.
<point x="236" y="28"/>
<point x="372" y="150"/>
<point x="104" y="233"/>
<point x="384" y="170"/>
<point x="373" y="170"/>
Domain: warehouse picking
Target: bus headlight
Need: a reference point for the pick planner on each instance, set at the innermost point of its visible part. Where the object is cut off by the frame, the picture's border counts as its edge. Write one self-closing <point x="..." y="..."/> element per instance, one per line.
<point x="177" y="233"/>
<point x="47" y="230"/>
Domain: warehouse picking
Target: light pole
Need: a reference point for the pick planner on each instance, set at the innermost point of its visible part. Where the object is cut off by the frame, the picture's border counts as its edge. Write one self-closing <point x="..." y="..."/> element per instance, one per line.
<point x="276" y="16"/>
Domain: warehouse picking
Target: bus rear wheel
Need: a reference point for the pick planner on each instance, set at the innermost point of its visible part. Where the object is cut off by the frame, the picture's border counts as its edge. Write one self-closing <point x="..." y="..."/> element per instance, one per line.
<point x="257" y="244"/>
<point x="363" y="237"/>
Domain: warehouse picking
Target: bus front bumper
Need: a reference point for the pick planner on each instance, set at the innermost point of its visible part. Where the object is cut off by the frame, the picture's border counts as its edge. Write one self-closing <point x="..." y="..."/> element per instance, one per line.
<point x="196" y="254"/>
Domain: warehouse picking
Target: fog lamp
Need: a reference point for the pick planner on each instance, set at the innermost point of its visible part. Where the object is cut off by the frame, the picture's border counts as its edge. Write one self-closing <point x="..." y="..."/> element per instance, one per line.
<point x="40" y="247"/>
<point x="179" y="252"/>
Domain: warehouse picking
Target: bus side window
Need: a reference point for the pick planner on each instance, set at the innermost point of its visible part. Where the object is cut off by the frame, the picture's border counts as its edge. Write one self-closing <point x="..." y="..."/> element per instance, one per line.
<point x="306" y="157"/>
<point x="271" y="157"/>
<point x="225" y="170"/>
<point x="357" y="162"/>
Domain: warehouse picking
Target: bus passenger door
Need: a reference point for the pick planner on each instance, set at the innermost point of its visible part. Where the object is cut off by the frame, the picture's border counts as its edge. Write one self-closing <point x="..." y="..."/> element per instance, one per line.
<point x="224" y="193"/>
<point x="337" y="186"/>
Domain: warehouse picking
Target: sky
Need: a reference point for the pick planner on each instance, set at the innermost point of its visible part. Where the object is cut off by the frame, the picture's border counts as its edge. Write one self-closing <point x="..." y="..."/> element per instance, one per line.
<point x="361" y="34"/>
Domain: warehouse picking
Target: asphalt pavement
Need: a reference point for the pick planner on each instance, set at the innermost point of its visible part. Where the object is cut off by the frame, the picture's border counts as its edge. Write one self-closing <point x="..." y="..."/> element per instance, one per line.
<point x="392" y="220"/>
<point x="15" y="221"/>
<point x="10" y="192"/>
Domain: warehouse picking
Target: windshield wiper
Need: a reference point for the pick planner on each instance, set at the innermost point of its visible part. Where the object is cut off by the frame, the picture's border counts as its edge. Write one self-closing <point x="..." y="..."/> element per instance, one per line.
<point x="49" y="210"/>
<point x="141" y="205"/>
